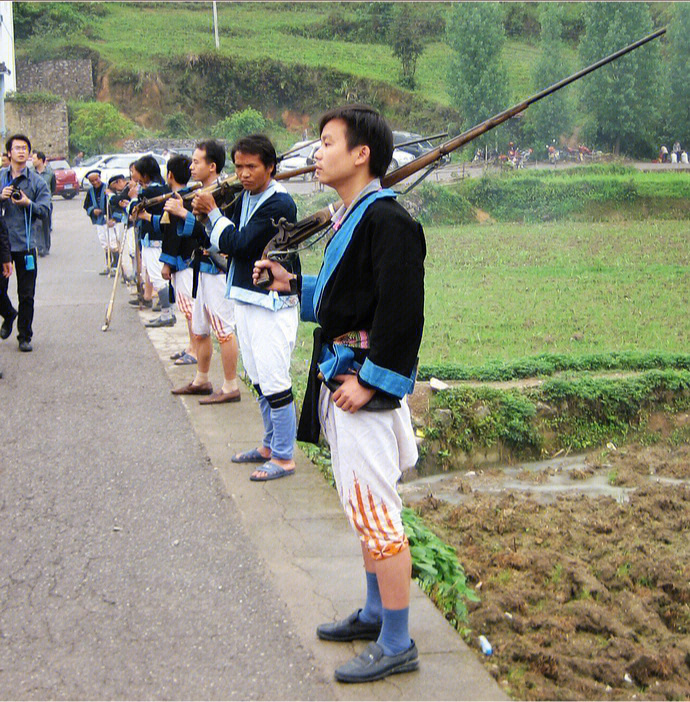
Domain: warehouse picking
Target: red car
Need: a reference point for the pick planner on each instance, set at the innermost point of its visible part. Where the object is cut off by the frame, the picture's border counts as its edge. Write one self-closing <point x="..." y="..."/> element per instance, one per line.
<point x="66" y="183"/>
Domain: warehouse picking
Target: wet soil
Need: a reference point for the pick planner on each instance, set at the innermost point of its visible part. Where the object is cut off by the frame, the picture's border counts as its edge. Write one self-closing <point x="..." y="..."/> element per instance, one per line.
<point x="585" y="591"/>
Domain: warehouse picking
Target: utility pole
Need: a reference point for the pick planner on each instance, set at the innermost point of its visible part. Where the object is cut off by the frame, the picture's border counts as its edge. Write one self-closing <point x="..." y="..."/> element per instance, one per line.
<point x="3" y="130"/>
<point x="215" y="23"/>
<point x="8" y="82"/>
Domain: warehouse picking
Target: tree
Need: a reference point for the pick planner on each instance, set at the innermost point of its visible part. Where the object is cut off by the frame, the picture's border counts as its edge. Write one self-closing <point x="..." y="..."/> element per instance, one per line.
<point x="239" y="124"/>
<point x="95" y="127"/>
<point x="476" y="78"/>
<point x="405" y="42"/>
<point x="621" y="100"/>
<point x="679" y="86"/>
<point x="177" y="125"/>
<point x="551" y="117"/>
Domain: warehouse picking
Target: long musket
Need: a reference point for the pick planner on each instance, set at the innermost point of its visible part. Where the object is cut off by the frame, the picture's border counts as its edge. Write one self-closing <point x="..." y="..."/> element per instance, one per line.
<point x="229" y="185"/>
<point x="118" y="270"/>
<point x="291" y="234"/>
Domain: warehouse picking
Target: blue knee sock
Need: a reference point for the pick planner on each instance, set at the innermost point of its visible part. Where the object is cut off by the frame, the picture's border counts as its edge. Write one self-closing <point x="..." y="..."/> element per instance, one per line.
<point x="266" y="416"/>
<point x="284" y="422"/>
<point x="395" y="634"/>
<point x="373" y="609"/>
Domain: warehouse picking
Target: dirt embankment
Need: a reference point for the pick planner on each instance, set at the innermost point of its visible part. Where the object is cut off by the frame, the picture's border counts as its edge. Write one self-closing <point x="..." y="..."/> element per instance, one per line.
<point x="583" y="598"/>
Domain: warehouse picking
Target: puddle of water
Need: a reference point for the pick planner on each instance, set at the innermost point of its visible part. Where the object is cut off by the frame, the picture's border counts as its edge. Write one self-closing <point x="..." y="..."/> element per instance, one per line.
<point x="555" y="479"/>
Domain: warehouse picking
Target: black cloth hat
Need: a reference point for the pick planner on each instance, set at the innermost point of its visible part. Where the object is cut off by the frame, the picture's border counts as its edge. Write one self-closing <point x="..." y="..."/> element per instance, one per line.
<point x="114" y="178"/>
<point x="95" y="170"/>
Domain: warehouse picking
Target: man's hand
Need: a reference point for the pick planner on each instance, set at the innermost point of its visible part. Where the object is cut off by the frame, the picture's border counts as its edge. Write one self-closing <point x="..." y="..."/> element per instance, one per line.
<point x="203" y="203"/>
<point x="143" y="214"/>
<point x="351" y="396"/>
<point x="133" y="191"/>
<point x="98" y="212"/>
<point x="7" y="269"/>
<point x="281" y="278"/>
<point x="166" y="271"/>
<point x="175" y="206"/>
<point x="6" y="193"/>
<point x="23" y="200"/>
<point x="111" y="223"/>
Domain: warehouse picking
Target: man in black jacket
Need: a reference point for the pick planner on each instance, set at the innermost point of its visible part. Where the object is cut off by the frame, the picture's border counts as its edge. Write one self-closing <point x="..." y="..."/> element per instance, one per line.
<point x="369" y="301"/>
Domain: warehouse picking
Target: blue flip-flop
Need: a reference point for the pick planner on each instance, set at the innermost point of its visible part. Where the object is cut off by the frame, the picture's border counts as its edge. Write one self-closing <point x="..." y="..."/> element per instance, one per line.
<point x="177" y="355"/>
<point x="273" y="472"/>
<point x="186" y="360"/>
<point x="252" y="456"/>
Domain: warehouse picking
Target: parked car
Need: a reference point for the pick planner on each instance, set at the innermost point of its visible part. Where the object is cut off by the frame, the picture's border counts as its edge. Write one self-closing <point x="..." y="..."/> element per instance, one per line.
<point x="116" y="164"/>
<point x="66" y="183"/>
<point x="417" y="149"/>
<point x="305" y="157"/>
<point x="301" y="158"/>
<point x="85" y="166"/>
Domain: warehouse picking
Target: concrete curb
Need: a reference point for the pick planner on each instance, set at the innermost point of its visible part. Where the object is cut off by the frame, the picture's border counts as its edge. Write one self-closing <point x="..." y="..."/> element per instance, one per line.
<point x="299" y="528"/>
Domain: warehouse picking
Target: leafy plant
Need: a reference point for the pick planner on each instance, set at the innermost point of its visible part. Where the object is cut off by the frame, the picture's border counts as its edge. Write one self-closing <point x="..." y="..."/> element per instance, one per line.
<point x="239" y="124"/>
<point x="436" y="568"/>
<point x="95" y="127"/>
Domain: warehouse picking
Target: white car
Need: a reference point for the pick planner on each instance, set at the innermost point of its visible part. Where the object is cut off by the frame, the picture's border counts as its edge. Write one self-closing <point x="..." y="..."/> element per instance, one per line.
<point x="114" y="164"/>
<point x="305" y="157"/>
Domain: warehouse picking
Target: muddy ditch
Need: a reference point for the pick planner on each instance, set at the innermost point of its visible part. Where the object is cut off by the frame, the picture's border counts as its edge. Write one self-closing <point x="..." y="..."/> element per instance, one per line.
<point x="582" y="564"/>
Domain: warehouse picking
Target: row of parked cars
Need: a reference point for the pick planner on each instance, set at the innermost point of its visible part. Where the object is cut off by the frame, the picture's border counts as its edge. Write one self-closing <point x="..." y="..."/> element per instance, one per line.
<point x="305" y="150"/>
<point x="70" y="179"/>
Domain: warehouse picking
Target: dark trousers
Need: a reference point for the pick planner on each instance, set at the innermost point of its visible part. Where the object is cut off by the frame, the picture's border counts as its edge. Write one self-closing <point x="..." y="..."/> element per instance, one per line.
<point x="26" y="288"/>
<point x="43" y="239"/>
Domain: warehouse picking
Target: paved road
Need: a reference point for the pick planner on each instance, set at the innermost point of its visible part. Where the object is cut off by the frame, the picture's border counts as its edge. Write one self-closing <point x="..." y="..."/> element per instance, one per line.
<point x="124" y="571"/>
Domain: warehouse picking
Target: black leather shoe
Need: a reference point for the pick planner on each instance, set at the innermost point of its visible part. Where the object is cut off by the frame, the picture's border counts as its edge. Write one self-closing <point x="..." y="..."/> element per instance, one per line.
<point x="144" y="303"/>
<point x="25" y="346"/>
<point x="161" y="322"/>
<point x="373" y="664"/>
<point x="349" y="629"/>
<point x="6" y="328"/>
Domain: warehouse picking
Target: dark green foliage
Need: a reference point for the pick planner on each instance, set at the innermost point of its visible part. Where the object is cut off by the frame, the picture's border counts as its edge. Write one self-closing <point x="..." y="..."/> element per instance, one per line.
<point x="621" y="100"/>
<point x="585" y="412"/>
<point x="678" y="99"/>
<point x="406" y="43"/>
<point x="32" y="98"/>
<point x="522" y="20"/>
<point x="41" y="18"/>
<point x="546" y="121"/>
<point x="177" y="125"/>
<point x="476" y="76"/>
<point x="239" y="124"/>
<point x="435" y="205"/>
<point x="547" y="364"/>
<point x="436" y="568"/>
<point x="505" y="417"/>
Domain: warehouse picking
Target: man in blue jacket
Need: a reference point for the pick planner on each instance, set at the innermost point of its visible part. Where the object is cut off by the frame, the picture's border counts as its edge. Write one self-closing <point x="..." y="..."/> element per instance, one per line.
<point x="24" y="203"/>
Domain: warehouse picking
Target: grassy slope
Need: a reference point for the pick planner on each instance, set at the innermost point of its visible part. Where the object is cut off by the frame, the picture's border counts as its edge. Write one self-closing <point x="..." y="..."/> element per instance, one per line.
<point x="137" y="38"/>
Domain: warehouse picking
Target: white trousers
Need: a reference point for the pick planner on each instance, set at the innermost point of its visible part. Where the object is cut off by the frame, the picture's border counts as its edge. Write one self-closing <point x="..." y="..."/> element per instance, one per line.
<point x="212" y="310"/>
<point x="369" y="451"/>
<point x="266" y="340"/>
<point x="151" y="263"/>
<point x="183" y="282"/>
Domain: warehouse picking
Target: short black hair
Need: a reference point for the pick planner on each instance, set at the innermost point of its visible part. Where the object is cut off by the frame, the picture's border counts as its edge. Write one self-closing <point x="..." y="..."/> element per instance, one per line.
<point x="17" y="137"/>
<point x="365" y="126"/>
<point x="258" y="145"/>
<point x="148" y="166"/>
<point x="215" y="152"/>
<point x="178" y="165"/>
<point x="40" y="155"/>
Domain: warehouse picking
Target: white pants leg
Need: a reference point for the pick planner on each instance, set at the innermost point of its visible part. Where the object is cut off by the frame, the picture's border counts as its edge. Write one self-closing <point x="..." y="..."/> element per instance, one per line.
<point x="369" y="451"/>
<point x="212" y="310"/>
<point x="266" y="340"/>
<point x="151" y="261"/>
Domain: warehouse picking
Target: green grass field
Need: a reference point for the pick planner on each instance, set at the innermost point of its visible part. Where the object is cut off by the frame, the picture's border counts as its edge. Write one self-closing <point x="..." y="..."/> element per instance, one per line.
<point x="501" y="291"/>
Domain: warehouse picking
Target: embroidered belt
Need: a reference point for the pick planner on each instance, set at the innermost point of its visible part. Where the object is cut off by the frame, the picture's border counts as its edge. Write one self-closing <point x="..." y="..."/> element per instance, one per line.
<point x="353" y="339"/>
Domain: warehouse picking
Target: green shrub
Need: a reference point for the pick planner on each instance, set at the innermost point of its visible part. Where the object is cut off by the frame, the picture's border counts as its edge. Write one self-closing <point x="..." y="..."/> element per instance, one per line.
<point x="95" y="127"/>
<point x="239" y="124"/>
<point x="177" y="125"/>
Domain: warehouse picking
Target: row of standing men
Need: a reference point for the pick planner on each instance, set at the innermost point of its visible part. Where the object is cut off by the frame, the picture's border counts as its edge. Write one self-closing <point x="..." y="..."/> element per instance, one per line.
<point x="367" y="301"/>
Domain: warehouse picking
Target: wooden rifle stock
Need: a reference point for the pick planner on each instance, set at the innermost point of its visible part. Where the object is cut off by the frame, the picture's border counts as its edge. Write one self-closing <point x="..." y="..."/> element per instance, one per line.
<point x="291" y="234"/>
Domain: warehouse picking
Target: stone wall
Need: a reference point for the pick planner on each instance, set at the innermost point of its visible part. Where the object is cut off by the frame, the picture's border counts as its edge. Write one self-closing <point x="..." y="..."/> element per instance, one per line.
<point x="67" y="78"/>
<point x="44" y="123"/>
<point x="160" y="144"/>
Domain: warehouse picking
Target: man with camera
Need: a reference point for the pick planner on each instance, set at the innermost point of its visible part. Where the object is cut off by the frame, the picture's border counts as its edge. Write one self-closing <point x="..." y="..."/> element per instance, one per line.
<point x="24" y="203"/>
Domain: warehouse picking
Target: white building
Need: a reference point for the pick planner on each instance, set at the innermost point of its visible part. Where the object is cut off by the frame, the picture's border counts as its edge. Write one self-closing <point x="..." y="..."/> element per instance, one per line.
<point x="7" y="46"/>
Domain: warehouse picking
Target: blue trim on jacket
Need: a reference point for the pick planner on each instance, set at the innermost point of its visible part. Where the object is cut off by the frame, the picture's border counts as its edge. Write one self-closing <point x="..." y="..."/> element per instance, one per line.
<point x="387" y="380"/>
<point x="307" y="298"/>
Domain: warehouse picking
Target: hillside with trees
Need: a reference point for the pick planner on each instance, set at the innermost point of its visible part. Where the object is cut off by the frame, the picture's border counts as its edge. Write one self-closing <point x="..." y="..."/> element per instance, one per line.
<point x="426" y="66"/>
